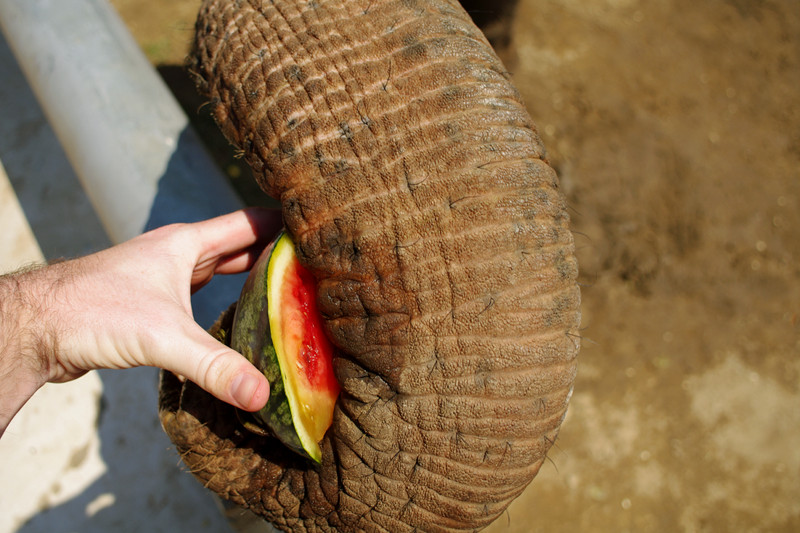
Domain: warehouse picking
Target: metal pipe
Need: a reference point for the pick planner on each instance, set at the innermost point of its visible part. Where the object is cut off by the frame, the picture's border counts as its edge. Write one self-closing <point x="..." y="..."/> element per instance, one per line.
<point x="120" y="126"/>
<point x="128" y="140"/>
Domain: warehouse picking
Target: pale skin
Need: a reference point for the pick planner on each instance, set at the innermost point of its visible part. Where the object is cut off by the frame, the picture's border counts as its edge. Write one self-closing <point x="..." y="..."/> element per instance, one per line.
<point x="129" y="306"/>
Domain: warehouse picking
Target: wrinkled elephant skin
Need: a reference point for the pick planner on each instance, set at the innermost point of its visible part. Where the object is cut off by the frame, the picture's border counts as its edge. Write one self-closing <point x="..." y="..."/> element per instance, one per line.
<point x="416" y="189"/>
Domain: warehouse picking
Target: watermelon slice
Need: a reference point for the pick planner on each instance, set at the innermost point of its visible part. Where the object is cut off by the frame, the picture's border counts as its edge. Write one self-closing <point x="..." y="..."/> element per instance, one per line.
<point x="277" y="327"/>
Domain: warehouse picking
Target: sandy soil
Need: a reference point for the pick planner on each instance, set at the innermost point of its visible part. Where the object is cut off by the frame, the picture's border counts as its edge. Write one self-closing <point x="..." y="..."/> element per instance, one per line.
<point x="675" y="128"/>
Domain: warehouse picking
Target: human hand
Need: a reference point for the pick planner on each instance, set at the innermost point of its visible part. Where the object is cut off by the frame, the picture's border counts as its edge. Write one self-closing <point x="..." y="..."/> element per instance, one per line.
<point x="130" y="306"/>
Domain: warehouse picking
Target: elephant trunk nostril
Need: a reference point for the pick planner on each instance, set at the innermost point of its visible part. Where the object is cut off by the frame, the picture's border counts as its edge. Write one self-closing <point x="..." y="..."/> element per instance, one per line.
<point x="415" y="187"/>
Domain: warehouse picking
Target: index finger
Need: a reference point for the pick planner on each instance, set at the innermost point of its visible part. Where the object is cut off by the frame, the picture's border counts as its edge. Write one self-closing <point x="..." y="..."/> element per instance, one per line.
<point x="235" y="233"/>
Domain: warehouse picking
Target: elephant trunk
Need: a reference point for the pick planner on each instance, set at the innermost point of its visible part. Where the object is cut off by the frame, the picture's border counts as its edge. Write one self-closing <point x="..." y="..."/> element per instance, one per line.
<point x="416" y="189"/>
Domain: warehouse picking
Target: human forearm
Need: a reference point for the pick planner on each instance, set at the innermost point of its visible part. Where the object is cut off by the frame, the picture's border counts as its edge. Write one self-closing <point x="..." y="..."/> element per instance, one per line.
<point x="24" y="340"/>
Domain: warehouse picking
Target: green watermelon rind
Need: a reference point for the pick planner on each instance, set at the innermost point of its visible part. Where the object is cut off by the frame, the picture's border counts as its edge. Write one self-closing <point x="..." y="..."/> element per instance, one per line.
<point x="251" y="336"/>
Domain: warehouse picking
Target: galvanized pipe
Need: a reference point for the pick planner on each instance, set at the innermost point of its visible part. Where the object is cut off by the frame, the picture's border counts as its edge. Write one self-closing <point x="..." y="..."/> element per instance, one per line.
<point x="121" y="128"/>
<point x="128" y="140"/>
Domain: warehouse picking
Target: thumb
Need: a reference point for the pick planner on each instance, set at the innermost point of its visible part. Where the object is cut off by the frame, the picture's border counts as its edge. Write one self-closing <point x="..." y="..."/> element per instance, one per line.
<point x="221" y="371"/>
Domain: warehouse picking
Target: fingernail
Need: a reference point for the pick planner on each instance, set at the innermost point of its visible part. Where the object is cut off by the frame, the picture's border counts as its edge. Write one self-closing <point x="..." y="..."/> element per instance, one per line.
<point x="243" y="388"/>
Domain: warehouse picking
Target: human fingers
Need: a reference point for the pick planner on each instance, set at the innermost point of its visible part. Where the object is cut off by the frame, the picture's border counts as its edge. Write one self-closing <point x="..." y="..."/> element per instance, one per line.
<point x="230" y="244"/>
<point x="216" y="368"/>
<point x="235" y="232"/>
<point x="236" y="263"/>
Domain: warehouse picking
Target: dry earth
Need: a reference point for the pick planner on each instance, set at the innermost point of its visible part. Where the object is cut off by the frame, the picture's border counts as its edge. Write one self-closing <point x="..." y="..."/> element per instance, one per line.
<point x="675" y="128"/>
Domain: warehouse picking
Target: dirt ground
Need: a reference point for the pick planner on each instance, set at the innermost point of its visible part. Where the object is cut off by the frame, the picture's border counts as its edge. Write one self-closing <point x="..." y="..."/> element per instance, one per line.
<point x="675" y="129"/>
